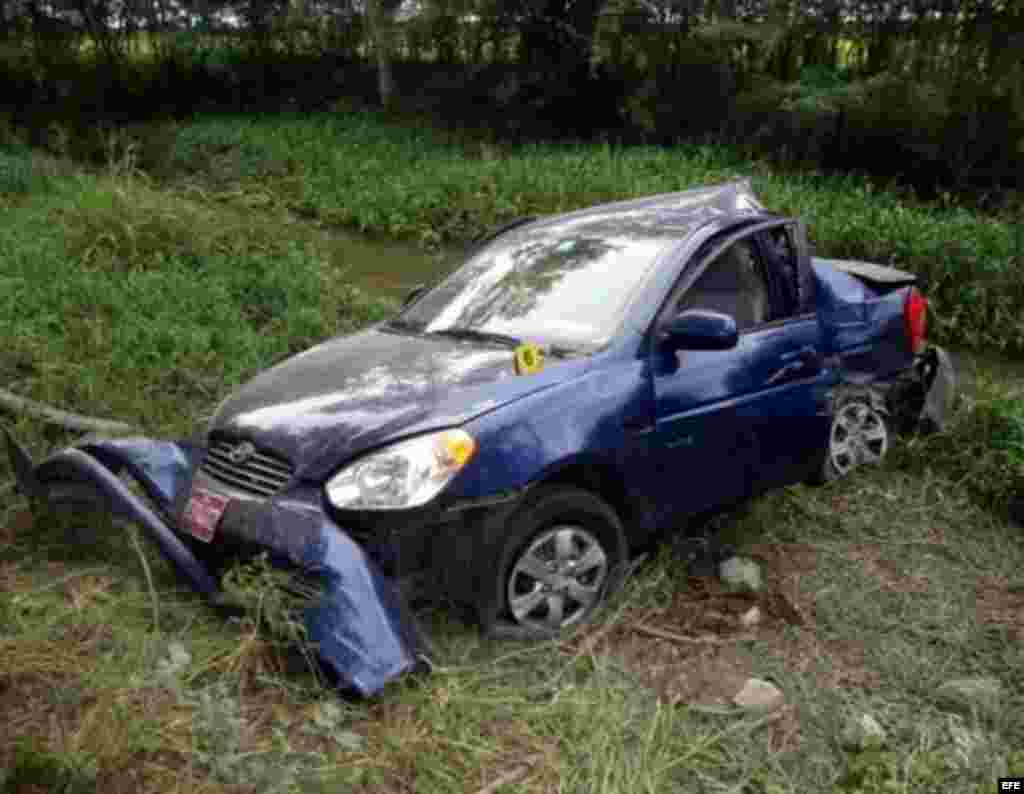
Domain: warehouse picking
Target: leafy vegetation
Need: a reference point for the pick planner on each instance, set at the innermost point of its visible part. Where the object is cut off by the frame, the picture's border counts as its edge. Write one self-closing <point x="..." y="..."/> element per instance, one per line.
<point x="355" y="169"/>
<point x="985" y="450"/>
<point x="177" y="298"/>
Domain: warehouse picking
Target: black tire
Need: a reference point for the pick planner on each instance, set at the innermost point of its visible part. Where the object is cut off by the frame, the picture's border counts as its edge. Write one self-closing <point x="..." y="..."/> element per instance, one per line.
<point x="550" y="515"/>
<point x="866" y="409"/>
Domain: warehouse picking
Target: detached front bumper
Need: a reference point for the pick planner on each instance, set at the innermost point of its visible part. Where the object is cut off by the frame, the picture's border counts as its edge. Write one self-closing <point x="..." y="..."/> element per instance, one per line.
<point x="359" y="625"/>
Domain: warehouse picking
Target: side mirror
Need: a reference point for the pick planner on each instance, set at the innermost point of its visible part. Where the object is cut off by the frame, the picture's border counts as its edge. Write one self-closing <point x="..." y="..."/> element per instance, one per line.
<point x="414" y="293"/>
<point x="699" y="329"/>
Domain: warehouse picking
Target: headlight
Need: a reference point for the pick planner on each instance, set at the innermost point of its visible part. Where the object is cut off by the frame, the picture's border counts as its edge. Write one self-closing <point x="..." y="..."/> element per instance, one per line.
<point x="407" y="474"/>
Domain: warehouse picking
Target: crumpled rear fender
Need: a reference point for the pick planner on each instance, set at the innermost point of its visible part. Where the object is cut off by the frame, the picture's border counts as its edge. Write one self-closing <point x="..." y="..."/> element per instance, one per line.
<point x="359" y="624"/>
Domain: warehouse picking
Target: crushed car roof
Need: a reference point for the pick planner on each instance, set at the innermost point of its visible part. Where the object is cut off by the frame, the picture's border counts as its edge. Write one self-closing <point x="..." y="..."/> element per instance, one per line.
<point x="674" y="215"/>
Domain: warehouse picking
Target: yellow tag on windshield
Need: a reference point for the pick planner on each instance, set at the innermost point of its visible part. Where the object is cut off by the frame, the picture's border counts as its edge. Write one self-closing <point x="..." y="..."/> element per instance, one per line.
<point x="529" y="359"/>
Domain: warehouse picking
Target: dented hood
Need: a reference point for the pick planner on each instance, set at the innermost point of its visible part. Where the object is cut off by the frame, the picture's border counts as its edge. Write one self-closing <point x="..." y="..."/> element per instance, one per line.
<point x="352" y="393"/>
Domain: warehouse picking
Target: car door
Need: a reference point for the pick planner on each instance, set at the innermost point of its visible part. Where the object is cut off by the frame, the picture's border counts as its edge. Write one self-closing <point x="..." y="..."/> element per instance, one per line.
<point x="731" y="423"/>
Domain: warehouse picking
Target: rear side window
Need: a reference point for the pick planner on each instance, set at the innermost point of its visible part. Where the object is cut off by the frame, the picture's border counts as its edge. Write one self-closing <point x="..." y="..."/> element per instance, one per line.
<point x="781" y="254"/>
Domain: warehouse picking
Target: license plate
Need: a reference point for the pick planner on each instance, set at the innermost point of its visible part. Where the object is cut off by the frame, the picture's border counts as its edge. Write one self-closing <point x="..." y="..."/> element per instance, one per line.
<point x="203" y="512"/>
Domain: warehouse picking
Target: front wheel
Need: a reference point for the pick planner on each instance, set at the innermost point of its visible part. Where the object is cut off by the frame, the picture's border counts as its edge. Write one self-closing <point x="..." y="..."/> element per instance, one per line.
<point x="561" y="554"/>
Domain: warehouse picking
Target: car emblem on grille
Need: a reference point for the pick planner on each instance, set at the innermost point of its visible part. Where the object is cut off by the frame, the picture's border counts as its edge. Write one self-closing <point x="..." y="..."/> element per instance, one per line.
<point x="242" y="452"/>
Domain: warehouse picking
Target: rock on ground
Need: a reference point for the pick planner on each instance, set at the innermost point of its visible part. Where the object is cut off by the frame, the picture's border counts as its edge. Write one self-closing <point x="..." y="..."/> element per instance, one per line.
<point x="741" y="574"/>
<point x="759" y="695"/>
<point x="862" y="732"/>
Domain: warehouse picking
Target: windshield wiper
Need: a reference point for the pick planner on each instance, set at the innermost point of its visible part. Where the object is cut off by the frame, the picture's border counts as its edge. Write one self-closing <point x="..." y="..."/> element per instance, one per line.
<point x="558" y="351"/>
<point x="477" y="336"/>
<point x="563" y="351"/>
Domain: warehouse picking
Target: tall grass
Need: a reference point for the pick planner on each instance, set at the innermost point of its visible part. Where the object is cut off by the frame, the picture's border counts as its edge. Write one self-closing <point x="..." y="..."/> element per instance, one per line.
<point x="410" y="182"/>
<point x="122" y="300"/>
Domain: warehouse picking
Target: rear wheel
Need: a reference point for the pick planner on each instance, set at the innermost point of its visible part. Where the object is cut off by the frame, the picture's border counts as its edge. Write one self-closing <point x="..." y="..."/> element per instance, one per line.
<point x="561" y="554"/>
<point x="858" y="436"/>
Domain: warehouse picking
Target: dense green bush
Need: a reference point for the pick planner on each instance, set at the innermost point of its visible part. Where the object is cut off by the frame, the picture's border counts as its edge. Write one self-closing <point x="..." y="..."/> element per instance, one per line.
<point x="17" y="174"/>
<point x="924" y="132"/>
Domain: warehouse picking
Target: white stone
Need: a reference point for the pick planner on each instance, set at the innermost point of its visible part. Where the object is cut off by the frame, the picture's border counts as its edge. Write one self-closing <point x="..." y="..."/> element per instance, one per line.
<point x="738" y="573"/>
<point x="175" y="663"/>
<point x="862" y="732"/>
<point x="759" y="695"/>
<point x="751" y="617"/>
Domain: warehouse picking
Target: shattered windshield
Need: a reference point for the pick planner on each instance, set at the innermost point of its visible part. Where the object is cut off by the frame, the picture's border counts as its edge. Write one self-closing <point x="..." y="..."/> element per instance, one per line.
<point x="559" y="286"/>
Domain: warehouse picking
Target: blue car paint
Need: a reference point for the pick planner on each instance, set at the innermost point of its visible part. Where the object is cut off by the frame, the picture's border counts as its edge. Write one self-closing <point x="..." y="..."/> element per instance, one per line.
<point x="601" y="419"/>
<point x="358" y="624"/>
<point x="674" y="433"/>
<point x="681" y="437"/>
<point x="865" y="329"/>
<point x="99" y="480"/>
<point x="361" y="391"/>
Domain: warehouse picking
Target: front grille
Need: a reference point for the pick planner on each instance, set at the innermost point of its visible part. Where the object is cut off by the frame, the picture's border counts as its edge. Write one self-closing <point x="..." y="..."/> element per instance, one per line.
<point x="261" y="473"/>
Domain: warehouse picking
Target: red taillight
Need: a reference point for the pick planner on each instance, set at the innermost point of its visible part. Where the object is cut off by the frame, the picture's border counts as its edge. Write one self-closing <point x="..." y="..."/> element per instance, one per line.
<point x="916" y="314"/>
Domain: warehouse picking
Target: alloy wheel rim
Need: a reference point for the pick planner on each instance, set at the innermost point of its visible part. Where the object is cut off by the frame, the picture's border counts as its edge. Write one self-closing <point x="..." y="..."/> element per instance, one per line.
<point x="557" y="579"/>
<point x="858" y="437"/>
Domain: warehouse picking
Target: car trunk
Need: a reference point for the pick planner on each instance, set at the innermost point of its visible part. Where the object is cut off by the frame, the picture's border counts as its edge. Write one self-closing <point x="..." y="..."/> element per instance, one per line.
<point x="861" y="308"/>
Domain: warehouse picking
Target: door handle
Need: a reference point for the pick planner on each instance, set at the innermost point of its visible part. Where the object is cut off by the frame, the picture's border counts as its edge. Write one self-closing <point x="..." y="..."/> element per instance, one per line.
<point x="805" y="354"/>
<point x="805" y="360"/>
<point x="785" y="372"/>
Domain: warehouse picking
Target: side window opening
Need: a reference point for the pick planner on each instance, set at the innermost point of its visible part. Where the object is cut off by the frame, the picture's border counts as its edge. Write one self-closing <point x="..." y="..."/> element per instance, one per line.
<point x="736" y="284"/>
<point x="783" y="264"/>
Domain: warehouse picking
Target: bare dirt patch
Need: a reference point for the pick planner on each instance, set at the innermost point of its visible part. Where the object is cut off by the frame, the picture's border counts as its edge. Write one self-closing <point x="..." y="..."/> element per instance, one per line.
<point x="396" y="737"/>
<point x="19" y="524"/>
<point x="696" y="649"/>
<point x="11" y="580"/>
<point x="705" y="675"/>
<point x="999" y="603"/>
<point x="29" y="713"/>
<point x="834" y="664"/>
<point x="56" y="715"/>
<point x="401" y="740"/>
<point x="520" y="757"/>
<point x="263" y="710"/>
<point x="785" y="566"/>
<point x="83" y="591"/>
<point x="253" y="657"/>
<point x="887" y="572"/>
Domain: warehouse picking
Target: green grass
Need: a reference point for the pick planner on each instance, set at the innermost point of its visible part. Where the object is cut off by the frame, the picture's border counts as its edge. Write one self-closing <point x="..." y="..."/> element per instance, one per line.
<point x="124" y="300"/>
<point x="582" y="718"/>
<point x="148" y="300"/>
<point x="357" y="170"/>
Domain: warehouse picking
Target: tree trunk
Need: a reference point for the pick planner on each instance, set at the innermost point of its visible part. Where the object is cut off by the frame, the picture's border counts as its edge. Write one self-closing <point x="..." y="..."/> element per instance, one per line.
<point x="380" y="30"/>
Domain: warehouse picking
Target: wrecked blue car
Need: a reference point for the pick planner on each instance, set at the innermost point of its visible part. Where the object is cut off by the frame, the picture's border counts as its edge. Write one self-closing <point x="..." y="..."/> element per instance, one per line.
<point x="519" y="430"/>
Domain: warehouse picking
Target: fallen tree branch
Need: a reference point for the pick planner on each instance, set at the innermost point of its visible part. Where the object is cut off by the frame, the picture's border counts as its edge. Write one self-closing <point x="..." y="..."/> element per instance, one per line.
<point x="55" y="416"/>
<point x="661" y="634"/>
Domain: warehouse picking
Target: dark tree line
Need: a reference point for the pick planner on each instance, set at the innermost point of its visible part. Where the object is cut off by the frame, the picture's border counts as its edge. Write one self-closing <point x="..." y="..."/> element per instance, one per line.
<point x="939" y="84"/>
